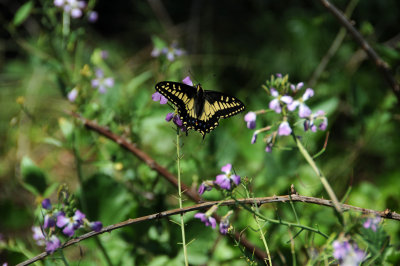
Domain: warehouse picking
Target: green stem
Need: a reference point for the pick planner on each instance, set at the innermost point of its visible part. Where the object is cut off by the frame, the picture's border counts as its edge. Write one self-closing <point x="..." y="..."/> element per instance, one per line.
<point x="178" y="161"/>
<point x="255" y="206"/>
<point x="263" y="237"/>
<point x="78" y="162"/>
<point x="66" y="23"/>
<point x="64" y="260"/>
<point x="324" y="182"/>
<point x="288" y="224"/>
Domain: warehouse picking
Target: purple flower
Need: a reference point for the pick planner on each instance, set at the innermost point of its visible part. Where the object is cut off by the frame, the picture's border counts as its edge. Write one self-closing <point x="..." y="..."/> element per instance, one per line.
<point x="372" y="223"/>
<point x="176" y="119"/>
<point x="284" y="129"/>
<point x="72" y="95"/>
<point x="156" y="52"/>
<point x="268" y="148"/>
<point x="309" y="122"/>
<point x="171" y="52"/>
<point x="49" y="221"/>
<point x="46" y="204"/>
<point x="275" y="104"/>
<point x="223" y="227"/>
<point x="250" y="119"/>
<point x="207" y="220"/>
<point x="169" y="117"/>
<point x="104" y="54"/>
<point x="38" y="235"/>
<point x="52" y="244"/>
<point x="347" y="254"/>
<point x="254" y="138"/>
<point x="70" y="224"/>
<point x="324" y="124"/>
<point x="96" y="226"/>
<point x="158" y="97"/>
<point x="101" y="82"/>
<point x="224" y="224"/>
<point x="278" y="75"/>
<point x="59" y="3"/>
<point x="224" y="180"/>
<point x="297" y="87"/>
<point x="205" y="186"/>
<point x="304" y="110"/>
<point x="93" y="16"/>
<point x="72" y="7"/>
<point x="187" y="81"/>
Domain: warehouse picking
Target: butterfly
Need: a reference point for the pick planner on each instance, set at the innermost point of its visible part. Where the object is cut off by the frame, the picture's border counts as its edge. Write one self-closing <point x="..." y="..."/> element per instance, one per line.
<point x="197" y="108"/>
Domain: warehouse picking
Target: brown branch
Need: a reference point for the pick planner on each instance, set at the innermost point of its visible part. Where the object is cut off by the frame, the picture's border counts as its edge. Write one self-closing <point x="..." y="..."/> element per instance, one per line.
<point x="206" y="205"/>
<point x="380" y="64"/>
<point x="165" y="173"/>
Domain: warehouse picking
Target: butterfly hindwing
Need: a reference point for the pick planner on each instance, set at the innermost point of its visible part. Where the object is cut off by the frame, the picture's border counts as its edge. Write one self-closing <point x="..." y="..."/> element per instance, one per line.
<point x="198" y="109"/>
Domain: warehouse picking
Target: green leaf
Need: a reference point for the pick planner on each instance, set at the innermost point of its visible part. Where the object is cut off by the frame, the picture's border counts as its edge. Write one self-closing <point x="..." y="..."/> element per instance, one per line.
<point x="22" y="13"/>
<point x="67" y="128"/>
<point x="53" y="141"/>
<point x="33" y="177"/>
<point x="158" y="42"/>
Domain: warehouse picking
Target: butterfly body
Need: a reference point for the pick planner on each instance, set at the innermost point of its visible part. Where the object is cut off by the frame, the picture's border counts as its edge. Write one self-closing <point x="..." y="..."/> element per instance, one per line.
<point x="197" y="108"/>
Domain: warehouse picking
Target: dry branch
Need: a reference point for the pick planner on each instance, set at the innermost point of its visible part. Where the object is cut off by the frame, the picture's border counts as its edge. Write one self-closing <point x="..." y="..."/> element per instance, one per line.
<point x="380" y="64"/>
<point x="206" y="205"/>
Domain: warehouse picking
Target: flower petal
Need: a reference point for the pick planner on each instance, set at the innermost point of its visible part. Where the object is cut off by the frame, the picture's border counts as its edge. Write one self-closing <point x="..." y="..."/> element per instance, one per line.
<point x="226" y="168"/>
<point x="304" y="111"/>
<point x="187" y="81"/>
<point x="284" y="129"/>
<point x="275" y="105"/>
<point x="308" y="94"/>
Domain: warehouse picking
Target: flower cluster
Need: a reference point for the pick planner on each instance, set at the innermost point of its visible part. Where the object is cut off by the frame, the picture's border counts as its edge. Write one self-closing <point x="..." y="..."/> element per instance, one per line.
<point x="170" y="52"/>
<point x="285" y="103"/>
<point x="73" y="7"/>
<point x="101" y="82"/>
<point x="224" y="181"/>
<point x="208" y="220"/>
<point x="347" y="254"/>
<point x="63" y="219"/>
<point x="174" y="116"/>
<point x="372" y="223"/>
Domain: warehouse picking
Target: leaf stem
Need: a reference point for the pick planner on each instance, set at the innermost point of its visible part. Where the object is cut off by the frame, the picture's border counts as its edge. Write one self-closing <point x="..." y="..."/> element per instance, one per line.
<point x="324" y="182"/>
<point x="178" y="159"/>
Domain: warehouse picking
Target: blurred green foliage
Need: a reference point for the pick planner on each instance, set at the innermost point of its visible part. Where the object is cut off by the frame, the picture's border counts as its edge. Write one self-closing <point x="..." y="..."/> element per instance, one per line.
<point x="230" y="47"/>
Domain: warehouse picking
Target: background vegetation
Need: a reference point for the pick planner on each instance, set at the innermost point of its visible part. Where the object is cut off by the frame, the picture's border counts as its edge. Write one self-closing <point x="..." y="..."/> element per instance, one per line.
<point x="232" y="47"/>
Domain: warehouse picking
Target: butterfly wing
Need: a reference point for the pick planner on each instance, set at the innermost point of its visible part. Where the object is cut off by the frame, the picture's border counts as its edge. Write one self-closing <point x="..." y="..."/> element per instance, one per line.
<point x="223" y="105"/>
<point x="184" y="98"/>
<point x="178" y="93"/>
<point x="216" y="105"/>
<point x="200" y="113"/>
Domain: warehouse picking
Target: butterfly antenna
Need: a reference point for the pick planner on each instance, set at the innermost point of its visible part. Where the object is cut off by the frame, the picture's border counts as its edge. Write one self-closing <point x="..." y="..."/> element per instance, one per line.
<point x="193" y="76"/>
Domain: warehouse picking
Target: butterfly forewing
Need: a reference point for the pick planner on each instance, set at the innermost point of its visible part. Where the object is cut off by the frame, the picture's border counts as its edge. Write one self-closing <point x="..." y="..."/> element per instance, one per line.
<point x="178" y="93"/>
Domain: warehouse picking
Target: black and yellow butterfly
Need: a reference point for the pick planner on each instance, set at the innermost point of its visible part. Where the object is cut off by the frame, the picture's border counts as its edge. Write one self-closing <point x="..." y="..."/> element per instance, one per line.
<point x="197" y="108"/>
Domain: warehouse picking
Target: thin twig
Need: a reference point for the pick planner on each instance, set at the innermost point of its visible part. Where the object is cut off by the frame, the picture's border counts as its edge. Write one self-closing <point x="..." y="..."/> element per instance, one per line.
<point x="334" y="46"/>
<point x="258" y="201"/>
<point x="381" y="65"/>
